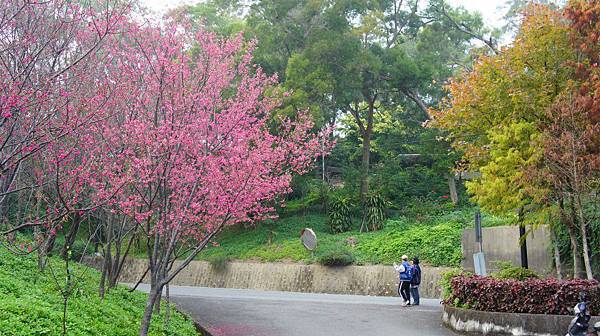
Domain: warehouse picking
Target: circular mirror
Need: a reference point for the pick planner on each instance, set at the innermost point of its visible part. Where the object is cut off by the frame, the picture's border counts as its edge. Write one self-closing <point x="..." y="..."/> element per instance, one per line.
<point x="309" y="239"/>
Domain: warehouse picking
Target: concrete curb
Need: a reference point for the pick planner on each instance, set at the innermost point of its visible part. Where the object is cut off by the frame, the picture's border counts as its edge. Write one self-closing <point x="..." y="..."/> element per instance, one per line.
<point x="476" y="322"/>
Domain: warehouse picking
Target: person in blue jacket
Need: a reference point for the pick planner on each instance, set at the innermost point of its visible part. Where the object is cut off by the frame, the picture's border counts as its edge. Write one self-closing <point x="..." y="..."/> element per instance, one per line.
<point x="416" y="281"/>
<point x="405" y="271"/>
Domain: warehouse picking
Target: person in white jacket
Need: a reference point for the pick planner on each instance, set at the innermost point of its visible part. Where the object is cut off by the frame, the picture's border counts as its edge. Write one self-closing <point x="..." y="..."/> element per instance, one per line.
<point x="405" y="272"/>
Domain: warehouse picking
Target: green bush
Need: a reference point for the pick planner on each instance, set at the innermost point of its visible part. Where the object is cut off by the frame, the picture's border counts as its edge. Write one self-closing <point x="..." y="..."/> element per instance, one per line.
<point x="308" y="193"/>
<point x="218" y="262"/>
<point x="30" y="303"/>
<point x="339" y="215"/>
<point x="80" y="248"/>
<point x="420" y="207"/>
<point x="335" y="256"/>
<point x="376" y="207"/>
<point x="412" y="180"/>
<point x="508" y="271"/>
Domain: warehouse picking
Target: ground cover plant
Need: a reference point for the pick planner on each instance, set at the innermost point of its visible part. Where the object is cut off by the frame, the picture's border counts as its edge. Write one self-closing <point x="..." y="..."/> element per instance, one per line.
<point x="31" y="305"/>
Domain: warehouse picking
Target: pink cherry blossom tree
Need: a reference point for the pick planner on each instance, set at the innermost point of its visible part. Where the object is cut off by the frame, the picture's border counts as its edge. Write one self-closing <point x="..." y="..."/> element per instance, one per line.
<point x="170" y="129"/>
<point x="49" y="52"/>
<point x="189" y="143"/>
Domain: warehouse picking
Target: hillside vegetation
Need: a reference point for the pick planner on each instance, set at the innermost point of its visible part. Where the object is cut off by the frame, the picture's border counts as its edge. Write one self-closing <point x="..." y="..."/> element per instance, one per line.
<point x="432" y="233"/>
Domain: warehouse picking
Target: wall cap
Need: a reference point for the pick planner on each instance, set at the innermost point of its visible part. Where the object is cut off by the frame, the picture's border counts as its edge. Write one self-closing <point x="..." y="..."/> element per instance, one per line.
<point x="478" y="322"/>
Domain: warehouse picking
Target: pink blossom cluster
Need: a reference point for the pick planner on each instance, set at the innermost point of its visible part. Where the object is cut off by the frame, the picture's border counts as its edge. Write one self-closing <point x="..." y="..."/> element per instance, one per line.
<point x="168" y="125"/>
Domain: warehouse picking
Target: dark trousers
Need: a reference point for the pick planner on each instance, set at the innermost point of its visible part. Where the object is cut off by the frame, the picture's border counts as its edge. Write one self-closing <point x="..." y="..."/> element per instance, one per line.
<point x="404" y="290"/>
<point x="414" y="290"/>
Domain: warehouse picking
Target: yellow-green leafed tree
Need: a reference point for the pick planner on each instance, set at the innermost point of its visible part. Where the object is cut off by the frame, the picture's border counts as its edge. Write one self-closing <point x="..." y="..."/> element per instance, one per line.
<point x="496" y="112"/>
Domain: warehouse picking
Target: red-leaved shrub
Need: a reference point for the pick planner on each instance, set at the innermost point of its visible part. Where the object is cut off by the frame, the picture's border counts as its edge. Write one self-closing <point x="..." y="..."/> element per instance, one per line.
<point x="534" y="296"/>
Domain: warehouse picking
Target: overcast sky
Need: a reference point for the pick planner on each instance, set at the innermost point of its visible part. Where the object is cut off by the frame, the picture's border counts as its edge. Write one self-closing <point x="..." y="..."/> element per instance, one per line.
<point x="487" y="8"/>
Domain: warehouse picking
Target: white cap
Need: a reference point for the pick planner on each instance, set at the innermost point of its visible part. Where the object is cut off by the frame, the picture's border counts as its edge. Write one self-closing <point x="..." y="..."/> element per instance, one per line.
<point x="405" y="257"/>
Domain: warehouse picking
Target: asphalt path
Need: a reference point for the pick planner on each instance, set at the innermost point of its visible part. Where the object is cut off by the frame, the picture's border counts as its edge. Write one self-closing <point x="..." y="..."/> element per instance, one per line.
<point x="242" y="312"/>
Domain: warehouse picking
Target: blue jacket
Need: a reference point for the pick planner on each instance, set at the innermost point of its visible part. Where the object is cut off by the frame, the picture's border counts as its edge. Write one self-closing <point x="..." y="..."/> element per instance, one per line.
<point x="407" y="274"/>
<point x="416" y="275"/>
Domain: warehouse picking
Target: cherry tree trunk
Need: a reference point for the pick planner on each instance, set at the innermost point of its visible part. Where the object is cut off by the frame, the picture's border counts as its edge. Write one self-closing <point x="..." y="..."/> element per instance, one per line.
<point x="153" y="296"/>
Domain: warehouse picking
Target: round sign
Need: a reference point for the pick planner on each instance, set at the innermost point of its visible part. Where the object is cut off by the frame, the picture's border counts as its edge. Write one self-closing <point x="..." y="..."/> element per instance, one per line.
<point x="309" y="239"/>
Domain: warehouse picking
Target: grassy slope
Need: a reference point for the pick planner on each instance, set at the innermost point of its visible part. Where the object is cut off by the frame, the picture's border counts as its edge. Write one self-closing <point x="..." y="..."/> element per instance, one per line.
<point x="432" y="233"/>
<point x="31" y="305"/>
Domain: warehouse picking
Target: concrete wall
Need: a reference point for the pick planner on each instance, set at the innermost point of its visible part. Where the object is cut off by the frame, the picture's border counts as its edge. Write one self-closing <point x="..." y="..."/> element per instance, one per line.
<point x="494" y="323"/>
<point x="362" y="280"/>
<point x="502" y="243"/>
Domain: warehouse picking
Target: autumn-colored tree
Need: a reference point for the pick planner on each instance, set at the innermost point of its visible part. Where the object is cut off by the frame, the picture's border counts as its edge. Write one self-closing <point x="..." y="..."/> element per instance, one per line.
<point x="495" y="112"/>
<point x="515" y="118"/>
<point x="571" y="160"/>
<point x="584" y="18"/>
<point x="571" y="140"/>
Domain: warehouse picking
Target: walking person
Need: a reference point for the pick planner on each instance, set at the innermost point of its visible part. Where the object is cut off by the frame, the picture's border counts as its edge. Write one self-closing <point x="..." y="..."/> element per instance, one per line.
<point x="415" y="281"/>
<point x="405" y="271"/>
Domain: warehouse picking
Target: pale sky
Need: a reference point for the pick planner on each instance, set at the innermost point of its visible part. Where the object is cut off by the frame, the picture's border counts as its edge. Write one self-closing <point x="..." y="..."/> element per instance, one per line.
<point x="487" y="8"/>
<point x="162" y="5"/>
<point x="492" y="15"/>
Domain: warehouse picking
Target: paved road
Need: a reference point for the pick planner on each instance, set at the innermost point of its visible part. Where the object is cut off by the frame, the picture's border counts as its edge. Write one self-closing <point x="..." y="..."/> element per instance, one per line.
<point x="241" y="312"/>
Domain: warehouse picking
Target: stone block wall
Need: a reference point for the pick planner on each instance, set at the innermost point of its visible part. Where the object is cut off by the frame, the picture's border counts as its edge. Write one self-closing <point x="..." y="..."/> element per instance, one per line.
<point x="360" y="280"/>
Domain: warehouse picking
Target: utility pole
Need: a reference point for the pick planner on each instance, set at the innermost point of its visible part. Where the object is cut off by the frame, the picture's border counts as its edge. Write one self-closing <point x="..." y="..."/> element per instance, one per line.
<point x="479" y="257"/>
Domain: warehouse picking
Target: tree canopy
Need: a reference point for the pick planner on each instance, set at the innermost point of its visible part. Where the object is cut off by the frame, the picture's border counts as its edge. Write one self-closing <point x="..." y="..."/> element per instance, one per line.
<point x="525" y="118"/>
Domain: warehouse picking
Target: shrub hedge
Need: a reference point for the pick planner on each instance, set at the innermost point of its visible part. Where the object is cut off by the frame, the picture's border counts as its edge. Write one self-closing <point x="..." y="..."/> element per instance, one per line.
<point x="218" y="262"/>
<point x="533" y="296"/>
<point x="508" y="271"/>
<point x="335" y="256"/>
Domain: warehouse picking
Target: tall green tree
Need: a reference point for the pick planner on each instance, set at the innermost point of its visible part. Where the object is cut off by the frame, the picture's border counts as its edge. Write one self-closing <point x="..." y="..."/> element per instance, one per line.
<point x="363" y="57"/>
<point x="383" y="55"/>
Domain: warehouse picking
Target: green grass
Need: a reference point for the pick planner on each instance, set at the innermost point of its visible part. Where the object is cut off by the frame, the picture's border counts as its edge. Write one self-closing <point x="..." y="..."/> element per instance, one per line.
<point x="30" y="303"/>
<point x="435" y="242"/>
<point x="432" y="232"/>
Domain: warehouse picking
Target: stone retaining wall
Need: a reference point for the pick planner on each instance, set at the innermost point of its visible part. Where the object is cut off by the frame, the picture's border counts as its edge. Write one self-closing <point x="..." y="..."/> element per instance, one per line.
<point x="361" y="280"/>
<point x="493" y="323"/>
